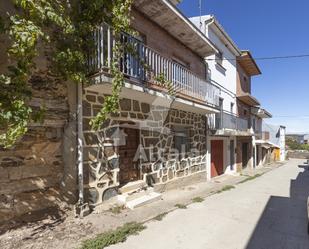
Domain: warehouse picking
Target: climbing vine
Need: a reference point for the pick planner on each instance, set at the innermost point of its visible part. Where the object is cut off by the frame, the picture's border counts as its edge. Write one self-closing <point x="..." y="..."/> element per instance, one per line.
<point x="65" y="26"/>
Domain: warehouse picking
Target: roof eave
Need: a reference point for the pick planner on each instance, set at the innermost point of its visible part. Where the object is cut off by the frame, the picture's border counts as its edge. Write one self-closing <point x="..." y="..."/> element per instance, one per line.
<point x="165" y="14"/>
<point x="214" y="22"/>
<point x="250" y="59"/>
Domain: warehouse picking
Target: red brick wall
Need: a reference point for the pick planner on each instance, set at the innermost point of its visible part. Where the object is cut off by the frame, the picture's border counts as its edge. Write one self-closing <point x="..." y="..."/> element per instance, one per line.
<point x="243" y="86"/>
<point x="162" y="42"/>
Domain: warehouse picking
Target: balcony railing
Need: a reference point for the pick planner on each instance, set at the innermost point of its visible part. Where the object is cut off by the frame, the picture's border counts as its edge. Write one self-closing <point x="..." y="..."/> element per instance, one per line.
<point x="142" y="63"/>
<point x="227" y="121"/>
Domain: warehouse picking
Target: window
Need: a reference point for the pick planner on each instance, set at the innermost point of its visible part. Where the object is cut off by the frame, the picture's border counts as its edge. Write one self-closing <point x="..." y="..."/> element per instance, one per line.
<point x="181" y="140"/>
<point x="253" y="124"/>
<point x="219" y="58"/>
<point x="245" y="112"/>
<point x="232" y="107"/>
<point x="207" y="72"/>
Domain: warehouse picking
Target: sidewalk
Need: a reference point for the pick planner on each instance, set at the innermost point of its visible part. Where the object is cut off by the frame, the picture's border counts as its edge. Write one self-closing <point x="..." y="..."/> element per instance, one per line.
<point x="69" y="233"/>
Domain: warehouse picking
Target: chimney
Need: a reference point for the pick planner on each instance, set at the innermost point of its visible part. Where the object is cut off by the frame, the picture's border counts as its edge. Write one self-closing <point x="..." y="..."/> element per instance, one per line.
<point x="175" y="2"/>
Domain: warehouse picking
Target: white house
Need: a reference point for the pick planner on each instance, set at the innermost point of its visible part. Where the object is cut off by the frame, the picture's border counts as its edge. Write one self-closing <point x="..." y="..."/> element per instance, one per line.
<point x="222" y="71"/>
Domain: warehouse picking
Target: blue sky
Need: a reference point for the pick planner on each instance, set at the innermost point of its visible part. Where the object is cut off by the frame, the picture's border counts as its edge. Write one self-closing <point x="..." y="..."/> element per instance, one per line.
<point x="270" y="28"/>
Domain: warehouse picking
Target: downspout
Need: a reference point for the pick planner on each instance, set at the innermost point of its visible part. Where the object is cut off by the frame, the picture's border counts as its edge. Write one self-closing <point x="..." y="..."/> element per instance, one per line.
<point x="81" y="207"/>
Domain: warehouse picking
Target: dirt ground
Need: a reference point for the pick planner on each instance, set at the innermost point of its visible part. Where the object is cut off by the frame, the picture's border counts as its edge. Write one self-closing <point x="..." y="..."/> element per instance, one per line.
<point x="63" y="230"/>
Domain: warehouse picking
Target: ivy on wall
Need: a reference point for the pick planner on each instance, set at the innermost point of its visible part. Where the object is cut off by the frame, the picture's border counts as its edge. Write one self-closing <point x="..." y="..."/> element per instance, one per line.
<point x="65" y="27"/>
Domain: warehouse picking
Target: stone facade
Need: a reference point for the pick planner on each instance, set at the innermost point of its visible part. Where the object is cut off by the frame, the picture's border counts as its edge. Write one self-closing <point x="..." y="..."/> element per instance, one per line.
<point x="157" y="126"/>
<point x="31" y="171"/>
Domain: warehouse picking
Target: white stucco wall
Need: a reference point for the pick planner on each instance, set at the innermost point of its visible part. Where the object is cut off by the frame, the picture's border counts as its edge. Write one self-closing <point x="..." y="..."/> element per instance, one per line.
<point x="225" y="77"/>
<point x="282" y="143"/>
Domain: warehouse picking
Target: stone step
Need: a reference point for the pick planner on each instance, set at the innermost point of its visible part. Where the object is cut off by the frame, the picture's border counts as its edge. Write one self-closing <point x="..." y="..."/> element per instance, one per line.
<point x="133" y="186"/>
<point x="124" y="198"/>
<point x="143" y="200"/>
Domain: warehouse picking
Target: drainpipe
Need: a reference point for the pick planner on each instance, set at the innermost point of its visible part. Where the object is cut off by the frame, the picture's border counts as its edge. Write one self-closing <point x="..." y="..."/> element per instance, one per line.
<point x="81" y="207"/>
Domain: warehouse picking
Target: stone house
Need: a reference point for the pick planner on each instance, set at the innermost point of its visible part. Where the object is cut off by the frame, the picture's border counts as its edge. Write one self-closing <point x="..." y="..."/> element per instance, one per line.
<point x="166" y="136"/>
<point x="157" y="139"/>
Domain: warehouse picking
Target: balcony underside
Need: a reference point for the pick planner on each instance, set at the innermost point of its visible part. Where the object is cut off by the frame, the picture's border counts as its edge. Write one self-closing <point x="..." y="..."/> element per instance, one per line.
<point x="167" y="16"/>
<point x="231" y="133"/>
<point x="151" y="95"/>
<point x="248" y="99"/>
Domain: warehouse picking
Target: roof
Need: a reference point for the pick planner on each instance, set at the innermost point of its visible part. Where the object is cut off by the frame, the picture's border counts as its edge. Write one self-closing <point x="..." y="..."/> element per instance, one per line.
<point x="267" y="144"/>
<point x="212" y="22"/>
<point x="247" y="62"/>
<point x="165" y="14"/>
<point x="261" y="112"/>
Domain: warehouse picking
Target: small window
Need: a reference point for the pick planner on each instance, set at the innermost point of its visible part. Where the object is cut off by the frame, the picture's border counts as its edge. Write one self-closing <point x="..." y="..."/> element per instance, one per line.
<point x="207" y="72"/>
<point x="181" y="140"/>
<point x="245" y="112"/>
<point x="232" y="107"/>
<point x="245" y="79"/>
<point x="219" y="58"/>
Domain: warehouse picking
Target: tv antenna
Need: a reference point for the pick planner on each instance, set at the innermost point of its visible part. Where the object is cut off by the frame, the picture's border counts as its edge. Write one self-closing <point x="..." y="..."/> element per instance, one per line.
<point x="200" y="8"/>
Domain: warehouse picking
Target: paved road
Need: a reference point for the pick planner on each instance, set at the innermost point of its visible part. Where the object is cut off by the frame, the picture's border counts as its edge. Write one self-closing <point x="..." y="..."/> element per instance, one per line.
<point x="266" y="213"/>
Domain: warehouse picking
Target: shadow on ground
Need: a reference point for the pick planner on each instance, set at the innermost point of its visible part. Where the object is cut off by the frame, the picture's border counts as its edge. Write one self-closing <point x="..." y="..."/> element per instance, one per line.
<point x="52" y="217"/>
<point x="283" y="224"/>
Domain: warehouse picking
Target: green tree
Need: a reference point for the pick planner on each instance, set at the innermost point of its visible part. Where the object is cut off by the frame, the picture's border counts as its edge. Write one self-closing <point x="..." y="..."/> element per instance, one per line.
<point x="65" y="29"/>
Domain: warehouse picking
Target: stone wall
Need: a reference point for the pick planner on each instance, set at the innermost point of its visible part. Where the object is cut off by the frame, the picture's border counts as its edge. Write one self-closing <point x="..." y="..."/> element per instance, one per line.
<point x="39" y="172"/>
<point x="156" y="125"/>
<point x="31" y="171"/>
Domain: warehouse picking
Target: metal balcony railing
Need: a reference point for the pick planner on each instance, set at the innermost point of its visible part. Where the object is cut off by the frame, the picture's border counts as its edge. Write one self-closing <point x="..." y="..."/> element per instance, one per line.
<point x="146" y="65"/>
<point x="228" y="121"/>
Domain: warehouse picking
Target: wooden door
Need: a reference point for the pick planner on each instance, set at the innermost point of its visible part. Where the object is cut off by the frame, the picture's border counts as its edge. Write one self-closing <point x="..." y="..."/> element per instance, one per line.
<point x="129" y="170"/>
<point x="216" y="158"/>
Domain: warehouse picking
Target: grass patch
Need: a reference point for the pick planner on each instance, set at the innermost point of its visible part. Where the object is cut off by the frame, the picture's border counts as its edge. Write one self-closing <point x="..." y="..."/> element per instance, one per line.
<point x="160" y="216"/>
<point x="114" y="236"/>
<point x="116" y="209"/>
<point x="198" y="199"/>
<point x="249" y="178"/>
<point x="225" y="188"/>
<point x="181" y="206"/>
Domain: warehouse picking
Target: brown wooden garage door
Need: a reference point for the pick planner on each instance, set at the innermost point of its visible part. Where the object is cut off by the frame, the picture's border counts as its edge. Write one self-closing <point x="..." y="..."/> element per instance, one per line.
<point x="216" y="158"/>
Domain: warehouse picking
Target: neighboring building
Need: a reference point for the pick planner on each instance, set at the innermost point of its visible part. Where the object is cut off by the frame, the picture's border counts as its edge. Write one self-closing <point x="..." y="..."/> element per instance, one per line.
<point x="226" y="125"/>
<point x="235" y="130"/>
<point x="273" y="143"/>
<point x="247" y="107"/>
<point x="261" y="148"/>
<point x="299" y="138"/>
<point x="306" y="139"/>
<point x="282" y="143"/>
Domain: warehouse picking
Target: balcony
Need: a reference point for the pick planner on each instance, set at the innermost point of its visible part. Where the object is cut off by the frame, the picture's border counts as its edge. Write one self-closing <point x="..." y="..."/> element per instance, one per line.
<point x="228" y="124"/>
<point x="147" y="68"/>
